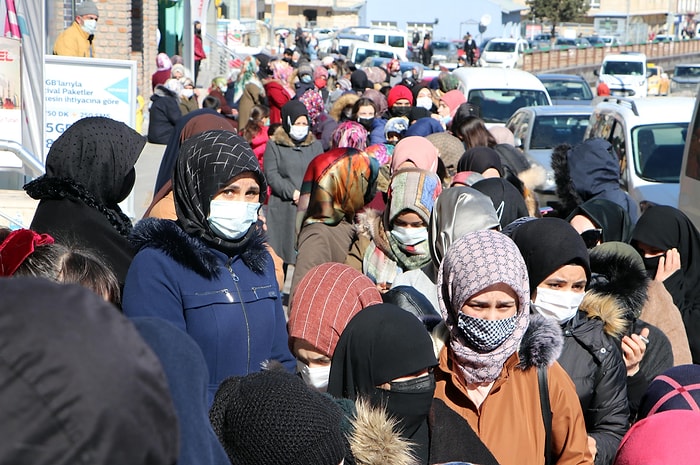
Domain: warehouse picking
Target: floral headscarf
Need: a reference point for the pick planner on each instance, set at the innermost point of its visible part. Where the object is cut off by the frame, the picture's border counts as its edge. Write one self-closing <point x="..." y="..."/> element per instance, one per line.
<point x="313" y="101"/>
<point x="474" y="262"/>
<point x="249" y="75"/>
<point x="336" y="185"/>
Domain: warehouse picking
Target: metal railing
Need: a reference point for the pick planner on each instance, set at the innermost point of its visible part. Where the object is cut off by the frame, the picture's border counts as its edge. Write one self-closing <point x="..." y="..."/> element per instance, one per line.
<point x="563" y="59"/>
<point x="32" y="165"/>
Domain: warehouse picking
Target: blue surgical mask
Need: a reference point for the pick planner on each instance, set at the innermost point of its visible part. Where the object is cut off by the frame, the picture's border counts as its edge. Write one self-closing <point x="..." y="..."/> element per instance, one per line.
<point x="232" y="219"/>
<point x="410" y="236"/>
<point x="306" y="78"/>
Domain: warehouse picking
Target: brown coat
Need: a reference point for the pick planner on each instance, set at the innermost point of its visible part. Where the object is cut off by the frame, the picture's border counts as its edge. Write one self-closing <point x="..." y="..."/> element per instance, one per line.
<point x="509" y="421"/>
<point x="661" y="312"/>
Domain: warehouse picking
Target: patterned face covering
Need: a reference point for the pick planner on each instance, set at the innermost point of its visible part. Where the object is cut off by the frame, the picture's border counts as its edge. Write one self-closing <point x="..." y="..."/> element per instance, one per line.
<point x="485" y="335"/>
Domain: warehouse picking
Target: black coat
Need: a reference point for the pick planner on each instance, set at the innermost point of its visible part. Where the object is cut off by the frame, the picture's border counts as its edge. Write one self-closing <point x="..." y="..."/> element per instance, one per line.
<point x="594" y="362"/>
<point x="163" y="115"/>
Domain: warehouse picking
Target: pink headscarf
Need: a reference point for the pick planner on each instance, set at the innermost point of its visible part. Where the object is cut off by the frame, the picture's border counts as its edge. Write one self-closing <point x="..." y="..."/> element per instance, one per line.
<point x="283" y="72"/>
<point x="349" y="134"/>
<point x="418" y="150"/>
<point x="163" y="62"/>
<point x="453" y="99"/>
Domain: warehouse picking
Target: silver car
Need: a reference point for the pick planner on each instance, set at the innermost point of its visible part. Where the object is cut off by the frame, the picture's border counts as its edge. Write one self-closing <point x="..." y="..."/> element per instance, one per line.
<point x="538" y="130"/>
<point x="686" y="78"/>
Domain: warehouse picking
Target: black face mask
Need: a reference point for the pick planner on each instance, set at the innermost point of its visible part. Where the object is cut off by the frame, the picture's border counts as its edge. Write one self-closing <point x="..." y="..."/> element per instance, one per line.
<point x="366" y="123"/>
<point x="400" y="111"/>
<point x="651" y="264"/>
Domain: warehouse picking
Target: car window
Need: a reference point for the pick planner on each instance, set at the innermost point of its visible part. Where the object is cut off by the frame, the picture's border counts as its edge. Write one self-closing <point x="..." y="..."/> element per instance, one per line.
<point x="397" y="41"/>
<point x="379" y="38"/>
<point x="497" y="105"/>
<point x="550" y="131"/>
<point x="635" y="68"/>
<point x="495" y="46"/>
<point x="658" y="151"/>
<point x="687" y="71"/>
<point x="692" y="167"/>
<point x="569" y="90"/>
<point x="519" y="125"/>
<point x="617" y="140"/>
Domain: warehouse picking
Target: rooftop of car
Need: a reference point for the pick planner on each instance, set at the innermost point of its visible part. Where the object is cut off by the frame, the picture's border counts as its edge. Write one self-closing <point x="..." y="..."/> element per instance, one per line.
<point x="559" y="77"/>
<point x="652" y="110"/>
<point x="542" y="110"/>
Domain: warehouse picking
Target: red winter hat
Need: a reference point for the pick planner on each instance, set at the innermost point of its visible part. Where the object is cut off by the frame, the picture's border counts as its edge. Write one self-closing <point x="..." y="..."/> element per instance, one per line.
<point x="399" y="92"/>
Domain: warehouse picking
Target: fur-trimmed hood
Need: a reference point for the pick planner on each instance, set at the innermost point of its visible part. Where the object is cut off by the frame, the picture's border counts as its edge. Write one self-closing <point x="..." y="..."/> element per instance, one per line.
<point x="618" y="290"/>
<point x="374" y="438"/>
<point x="541" y="345"/>
<point x="162" y="91"/>
<point x="281" y="137"/>
<point x="347" y="99"/>
<point x="191" y="252"/>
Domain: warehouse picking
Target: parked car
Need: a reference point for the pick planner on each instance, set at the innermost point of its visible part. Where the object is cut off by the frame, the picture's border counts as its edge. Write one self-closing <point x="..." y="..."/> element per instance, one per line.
<point x="686" y="77"/>
<point x="538" y="130"/>
<point x="445" y="52"/>
<point x="658" y="82"/>
<point x="624" y="73"/>
<point x="603" y="41"/>
<point x="648" y="136"/>
<point x="541" y="42"/>
<point x="359" y="51"/>
<point x="689" y="198"/>
<point x="500" y="92"/>
<point x="567" y="89"/>
<point x="503" y="53"/>
<point x="564" y="43"/>
<point x="663" y="38"/>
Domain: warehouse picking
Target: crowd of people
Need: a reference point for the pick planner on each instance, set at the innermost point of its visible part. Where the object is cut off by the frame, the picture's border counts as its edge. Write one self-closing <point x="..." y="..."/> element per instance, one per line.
<point x="342" y="266"/>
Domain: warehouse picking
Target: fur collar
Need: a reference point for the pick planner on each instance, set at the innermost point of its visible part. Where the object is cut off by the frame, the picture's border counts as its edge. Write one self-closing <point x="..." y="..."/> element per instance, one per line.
<point x="347" y="99"/>
<point x="618" y="293"/>
<point x="191" y="252"/>
<point x="541" y="345"/>
<point x="162" y="91"/>
<point x="374" y="439"/>
<point x="281" y="137"/>
<point x="565" y="189"/>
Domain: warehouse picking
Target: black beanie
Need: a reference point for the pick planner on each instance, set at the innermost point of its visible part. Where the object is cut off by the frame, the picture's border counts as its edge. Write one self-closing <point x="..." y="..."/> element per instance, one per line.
<point x="547" y="244"/>
<point x="272" y="418"/>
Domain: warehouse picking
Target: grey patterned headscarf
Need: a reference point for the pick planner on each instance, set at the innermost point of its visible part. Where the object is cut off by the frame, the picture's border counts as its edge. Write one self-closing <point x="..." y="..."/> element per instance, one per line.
<point x="206" y="163"/>
<point x="473" y="262"/>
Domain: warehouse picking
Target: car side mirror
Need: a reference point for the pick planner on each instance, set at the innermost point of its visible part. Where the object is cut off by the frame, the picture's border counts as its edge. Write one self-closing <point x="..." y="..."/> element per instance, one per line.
<point x="596" y="72"/>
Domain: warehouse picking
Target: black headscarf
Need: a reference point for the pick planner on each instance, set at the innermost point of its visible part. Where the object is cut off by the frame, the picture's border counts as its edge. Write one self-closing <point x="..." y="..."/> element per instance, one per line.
<point x="547" y="244"/>
<point x="207" y="162"/>
<point x="665" y="227"/>
<point x="381" y="343"/>
<point x="290" y="112"/>
<point x="92" y="161"/>
<point x="607" y="215"/>
<point x="480" y="159"/>
<point x="507" y="200"/>
<point x="79" y="385"/>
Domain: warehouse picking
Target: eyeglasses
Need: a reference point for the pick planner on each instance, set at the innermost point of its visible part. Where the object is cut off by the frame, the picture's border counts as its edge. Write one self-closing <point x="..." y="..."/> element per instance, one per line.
<point x="592" y="237"/>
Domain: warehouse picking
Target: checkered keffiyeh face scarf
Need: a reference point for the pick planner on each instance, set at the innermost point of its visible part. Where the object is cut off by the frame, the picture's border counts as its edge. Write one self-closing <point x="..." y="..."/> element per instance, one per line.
<point x="207" y="163"/>
<point x="472" y="263"/>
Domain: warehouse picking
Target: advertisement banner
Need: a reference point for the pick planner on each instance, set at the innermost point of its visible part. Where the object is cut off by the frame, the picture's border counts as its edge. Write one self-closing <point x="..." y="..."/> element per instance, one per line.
<point x="75" y="88"/>
<point x="10" y="89"/>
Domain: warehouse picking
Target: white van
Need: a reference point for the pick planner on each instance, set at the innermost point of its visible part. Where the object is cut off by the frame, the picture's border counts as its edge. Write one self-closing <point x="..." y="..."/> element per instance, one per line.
<point x="498" y="92"/>
<point x="391" y="37"/>
<point x="359" y="51"/>
<point x="625" y="74"/>
<point x="503" y="53"/>
<point x="689" y="197"/>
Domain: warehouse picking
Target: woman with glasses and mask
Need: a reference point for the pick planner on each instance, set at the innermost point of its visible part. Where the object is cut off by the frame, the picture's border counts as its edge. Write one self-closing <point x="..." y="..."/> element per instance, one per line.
<point x="601" y="220"/>
<point x="559" y="270"/>
<point x="209" y="272"/>
<point x="487" y="407"/>
<point x="288" y="153"/>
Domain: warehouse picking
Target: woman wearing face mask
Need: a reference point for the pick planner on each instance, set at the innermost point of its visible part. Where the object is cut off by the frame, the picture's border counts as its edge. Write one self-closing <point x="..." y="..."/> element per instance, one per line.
<point x="209" y="273"/>
<point x="288" y="153"/>
<point x="385" y="356"/>
<point x="669" y="244"/>
<point x="449" y="103"/>
<point x="397" y="240"/>
<point x="364" y="111"/>
<point x="558" y="266"/>
<point x="188" y="98"/>
<point x="423" y="97"/>
<point x="326" y="299"/>
<point x="400" y="101"/>
<point x="487" y="399"/>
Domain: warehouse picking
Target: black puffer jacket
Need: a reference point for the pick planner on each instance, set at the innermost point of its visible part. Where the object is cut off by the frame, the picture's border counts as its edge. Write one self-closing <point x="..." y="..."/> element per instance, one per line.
<point x="593" y="360"/>
<point x="163" y="115"/>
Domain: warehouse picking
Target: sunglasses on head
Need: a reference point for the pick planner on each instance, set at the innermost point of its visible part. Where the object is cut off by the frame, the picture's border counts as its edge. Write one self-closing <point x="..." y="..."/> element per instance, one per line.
<point x="592" y="237"/>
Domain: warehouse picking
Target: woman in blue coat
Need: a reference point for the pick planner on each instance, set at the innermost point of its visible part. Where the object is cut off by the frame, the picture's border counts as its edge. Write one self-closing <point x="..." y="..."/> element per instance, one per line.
<point x="209" y="272"/>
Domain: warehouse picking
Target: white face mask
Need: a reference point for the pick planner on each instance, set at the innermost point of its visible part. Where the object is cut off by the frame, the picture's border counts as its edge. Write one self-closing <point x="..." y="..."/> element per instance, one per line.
<point x="232" y="219"/>
<point x="298" y="132"/>
<point x="223" y="89"/>
<point x="557" y="305"/>
<point x="410" y="236"/>
<point x="89" y="25"/>
<point x="316" y="377"/>
<point x="187" y="93"/>
<point x="424" y="102"/>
